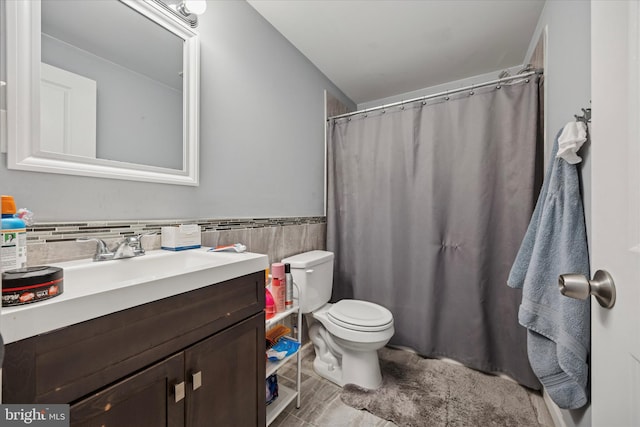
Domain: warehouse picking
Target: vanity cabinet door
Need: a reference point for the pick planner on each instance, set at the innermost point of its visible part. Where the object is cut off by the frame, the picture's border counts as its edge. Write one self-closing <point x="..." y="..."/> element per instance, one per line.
<point x="145" y="399"/>
<point x="225" y="377"/>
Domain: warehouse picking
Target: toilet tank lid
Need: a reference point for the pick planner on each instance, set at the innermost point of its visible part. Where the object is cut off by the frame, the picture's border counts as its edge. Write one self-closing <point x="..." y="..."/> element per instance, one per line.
<point x="309" y="259"/>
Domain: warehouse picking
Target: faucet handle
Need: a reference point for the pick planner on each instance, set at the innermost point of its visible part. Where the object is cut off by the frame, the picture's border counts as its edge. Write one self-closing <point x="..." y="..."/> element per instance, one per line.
<point x="135" y="242"/>
<point x="130" y="240"/>
<point x="148" y="233"/>
<point x="102" y="250"/>
<point x="139" y="237"/>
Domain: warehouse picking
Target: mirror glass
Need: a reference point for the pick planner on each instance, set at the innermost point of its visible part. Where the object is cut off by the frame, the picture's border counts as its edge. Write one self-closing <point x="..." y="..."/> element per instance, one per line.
<point x="130" y="78"/>
<point x="116" y="85"/>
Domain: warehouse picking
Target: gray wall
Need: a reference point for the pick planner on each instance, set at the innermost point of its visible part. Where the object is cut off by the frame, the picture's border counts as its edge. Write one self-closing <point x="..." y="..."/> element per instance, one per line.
<point x="261" y="138"/>
<point x="456" y="84"/>
<point x="567" y="90"/>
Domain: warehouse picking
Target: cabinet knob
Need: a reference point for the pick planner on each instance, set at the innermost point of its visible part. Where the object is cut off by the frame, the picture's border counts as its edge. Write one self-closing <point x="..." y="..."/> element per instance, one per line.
<point x="197" y="380"/>
<point x="179" y="390"/>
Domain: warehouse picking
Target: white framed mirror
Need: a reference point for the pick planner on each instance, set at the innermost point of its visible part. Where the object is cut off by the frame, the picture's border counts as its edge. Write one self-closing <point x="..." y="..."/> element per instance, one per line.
<point x="102" y="88"/>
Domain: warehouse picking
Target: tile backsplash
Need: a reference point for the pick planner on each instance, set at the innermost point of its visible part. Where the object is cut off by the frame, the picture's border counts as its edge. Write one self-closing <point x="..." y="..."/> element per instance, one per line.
<point x="277" y="237"/>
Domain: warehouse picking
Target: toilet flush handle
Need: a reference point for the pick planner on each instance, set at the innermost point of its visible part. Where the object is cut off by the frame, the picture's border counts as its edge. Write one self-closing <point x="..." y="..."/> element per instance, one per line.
<point x="309" y="271"/>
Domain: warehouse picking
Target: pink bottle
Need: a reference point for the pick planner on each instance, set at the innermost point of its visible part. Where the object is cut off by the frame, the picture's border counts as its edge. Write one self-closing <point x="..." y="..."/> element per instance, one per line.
<point x="278" y="285"/>
<point x="269" y="304"/>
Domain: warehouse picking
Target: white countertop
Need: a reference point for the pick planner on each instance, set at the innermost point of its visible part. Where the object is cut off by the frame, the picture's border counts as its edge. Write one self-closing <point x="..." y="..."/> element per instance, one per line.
<point x="94" y="289"/>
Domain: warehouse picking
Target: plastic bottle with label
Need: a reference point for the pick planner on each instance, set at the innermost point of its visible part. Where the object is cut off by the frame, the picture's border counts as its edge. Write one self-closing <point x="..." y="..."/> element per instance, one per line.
<point x="288" y="295"/>
<point x="13" y="253"/>
<point x="269" y="303"/>
<point x="278" y="285"/>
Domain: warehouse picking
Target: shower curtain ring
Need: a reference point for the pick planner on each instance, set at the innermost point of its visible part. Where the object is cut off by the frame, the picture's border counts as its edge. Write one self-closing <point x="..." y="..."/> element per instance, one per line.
<point x="446" y="95"/>
<point x="471" y="92"/>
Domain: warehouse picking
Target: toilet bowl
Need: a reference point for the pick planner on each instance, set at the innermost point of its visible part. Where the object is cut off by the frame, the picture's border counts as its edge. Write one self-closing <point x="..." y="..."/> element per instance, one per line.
<point x="346" y="335"/>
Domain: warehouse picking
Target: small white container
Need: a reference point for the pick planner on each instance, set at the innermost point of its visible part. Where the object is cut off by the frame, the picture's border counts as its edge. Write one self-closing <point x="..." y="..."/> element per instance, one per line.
<point x="182" y="237"/>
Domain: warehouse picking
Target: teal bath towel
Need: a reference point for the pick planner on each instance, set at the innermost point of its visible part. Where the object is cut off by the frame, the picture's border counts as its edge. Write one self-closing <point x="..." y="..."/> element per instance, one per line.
<point x="558" y="336"/>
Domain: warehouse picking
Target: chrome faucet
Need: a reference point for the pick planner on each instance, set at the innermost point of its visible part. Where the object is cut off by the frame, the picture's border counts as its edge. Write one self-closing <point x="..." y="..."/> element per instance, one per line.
<point x="125" y="248"/>
<point x="102" y="250"/>
<point x="128" y="247"/>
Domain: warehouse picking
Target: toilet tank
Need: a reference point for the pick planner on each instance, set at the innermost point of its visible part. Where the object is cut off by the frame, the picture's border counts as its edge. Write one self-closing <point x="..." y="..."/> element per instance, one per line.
<point x="313" y="273"/>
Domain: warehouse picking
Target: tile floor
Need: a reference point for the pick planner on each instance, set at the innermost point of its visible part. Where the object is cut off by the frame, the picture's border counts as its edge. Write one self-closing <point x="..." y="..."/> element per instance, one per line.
<point x="320" y="403"/>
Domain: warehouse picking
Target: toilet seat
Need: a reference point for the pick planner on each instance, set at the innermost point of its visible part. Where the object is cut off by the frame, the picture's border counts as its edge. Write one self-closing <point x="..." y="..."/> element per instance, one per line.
<point x="360" y="315"/>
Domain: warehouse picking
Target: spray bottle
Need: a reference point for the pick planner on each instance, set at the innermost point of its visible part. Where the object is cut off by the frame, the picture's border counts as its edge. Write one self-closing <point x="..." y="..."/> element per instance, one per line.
<point x="288" y="296"/>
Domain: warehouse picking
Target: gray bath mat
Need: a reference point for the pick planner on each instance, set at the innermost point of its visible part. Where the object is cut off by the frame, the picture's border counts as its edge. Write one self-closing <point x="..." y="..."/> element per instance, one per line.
<point x="431" y="393"/>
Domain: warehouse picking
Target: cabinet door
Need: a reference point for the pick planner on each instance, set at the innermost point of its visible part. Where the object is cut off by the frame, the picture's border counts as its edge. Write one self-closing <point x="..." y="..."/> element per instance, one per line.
<point x="225" y="377"/>
<point x="145" y="399"/>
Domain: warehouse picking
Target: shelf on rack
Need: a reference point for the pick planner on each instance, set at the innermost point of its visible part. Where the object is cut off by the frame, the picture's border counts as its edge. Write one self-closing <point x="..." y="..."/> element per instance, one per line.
<point x="279" y="316"/>
<point x="272" y="367"/>
<point x="285" y="396"/>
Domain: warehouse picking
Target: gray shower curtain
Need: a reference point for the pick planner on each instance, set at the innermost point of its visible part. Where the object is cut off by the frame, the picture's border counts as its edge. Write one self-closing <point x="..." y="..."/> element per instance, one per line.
<point x="427" y="206"/>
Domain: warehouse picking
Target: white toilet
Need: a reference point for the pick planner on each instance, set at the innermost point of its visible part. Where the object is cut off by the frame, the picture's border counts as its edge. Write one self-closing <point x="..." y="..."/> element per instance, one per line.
<point x="346" y="335"/>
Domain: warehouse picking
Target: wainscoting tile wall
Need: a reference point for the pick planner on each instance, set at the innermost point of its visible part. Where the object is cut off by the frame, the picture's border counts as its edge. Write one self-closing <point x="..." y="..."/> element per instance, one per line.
<point x="277" y="237"/>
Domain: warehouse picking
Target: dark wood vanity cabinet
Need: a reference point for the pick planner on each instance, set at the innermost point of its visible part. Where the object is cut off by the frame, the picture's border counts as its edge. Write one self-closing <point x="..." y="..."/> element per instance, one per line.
<point x="228" y="363"/>
<point x="195" y="359"/>
<point x="144" y="399"/>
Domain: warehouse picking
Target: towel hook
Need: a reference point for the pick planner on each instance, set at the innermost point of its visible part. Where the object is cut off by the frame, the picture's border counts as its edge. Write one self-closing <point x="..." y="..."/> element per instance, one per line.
<point x="586" y="116"/>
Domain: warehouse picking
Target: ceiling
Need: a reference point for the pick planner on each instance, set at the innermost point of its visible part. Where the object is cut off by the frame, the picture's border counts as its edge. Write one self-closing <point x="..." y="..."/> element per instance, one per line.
<point x="373" y="49"/>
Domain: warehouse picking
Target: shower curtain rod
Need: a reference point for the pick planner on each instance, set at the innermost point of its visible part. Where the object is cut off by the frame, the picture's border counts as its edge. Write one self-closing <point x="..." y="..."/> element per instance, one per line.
<point x="437" y="95"/>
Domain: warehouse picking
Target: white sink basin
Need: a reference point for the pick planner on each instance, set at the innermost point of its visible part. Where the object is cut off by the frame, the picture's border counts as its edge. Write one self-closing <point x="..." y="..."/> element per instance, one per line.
<point x="94" y="289"/>
<point x="152" y="266"/>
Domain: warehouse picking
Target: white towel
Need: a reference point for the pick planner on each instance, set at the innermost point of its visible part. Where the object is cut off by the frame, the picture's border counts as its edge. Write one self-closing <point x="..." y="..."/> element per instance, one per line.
<point x="570" y="140"/>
